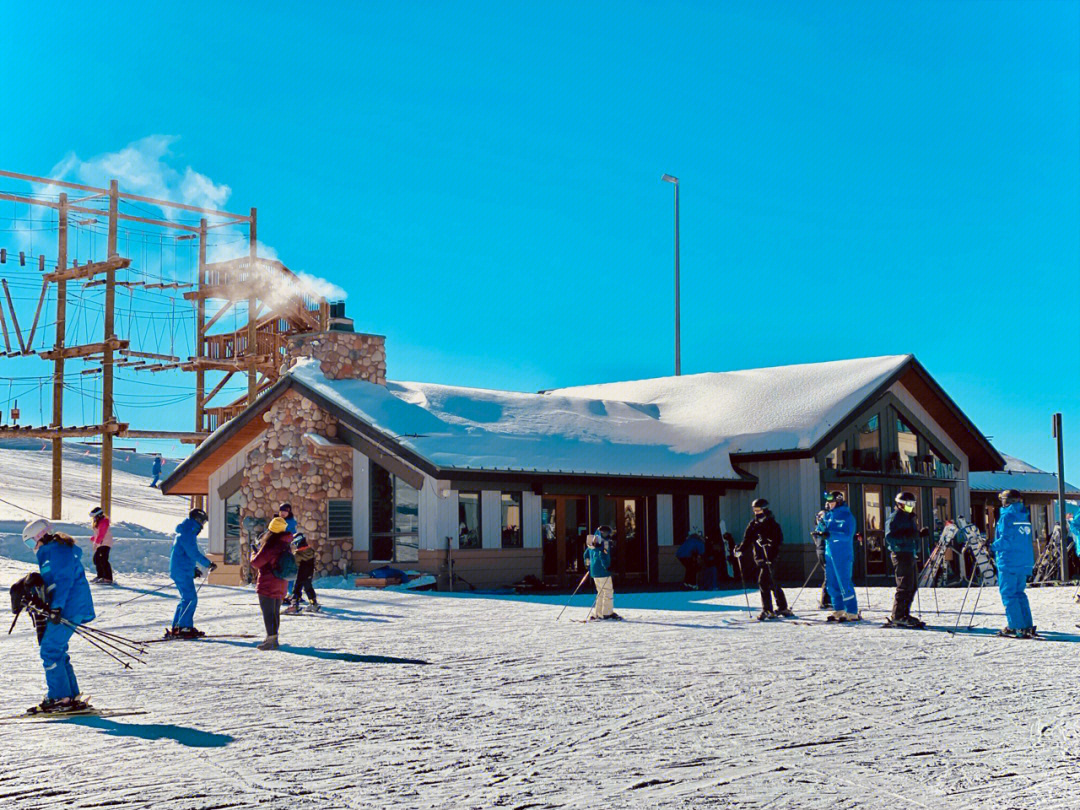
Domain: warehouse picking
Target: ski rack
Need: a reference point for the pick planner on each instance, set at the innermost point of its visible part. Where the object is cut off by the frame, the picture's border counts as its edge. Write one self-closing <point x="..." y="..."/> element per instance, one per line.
<point x="1048" y="568"/>
<point x="955" y="536"/>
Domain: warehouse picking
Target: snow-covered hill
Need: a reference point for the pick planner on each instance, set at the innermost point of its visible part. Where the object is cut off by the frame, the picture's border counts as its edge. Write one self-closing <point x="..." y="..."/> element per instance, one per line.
<point x="407" y="700"/>
<point x="142" y="518"/>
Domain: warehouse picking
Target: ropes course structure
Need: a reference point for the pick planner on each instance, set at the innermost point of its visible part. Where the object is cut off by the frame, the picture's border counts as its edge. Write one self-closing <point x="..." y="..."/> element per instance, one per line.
<point x="91" y="291"/>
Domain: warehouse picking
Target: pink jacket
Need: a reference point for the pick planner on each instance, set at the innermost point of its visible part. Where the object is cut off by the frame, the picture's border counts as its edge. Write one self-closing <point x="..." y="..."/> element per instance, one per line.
<point x="102" y="536"/>
<point x="265" y="561"/>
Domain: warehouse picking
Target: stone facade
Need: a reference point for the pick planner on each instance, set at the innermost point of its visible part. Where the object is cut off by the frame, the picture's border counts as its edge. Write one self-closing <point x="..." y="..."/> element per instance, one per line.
<point x="342" y="355"/>
<point x="282" y="467"/>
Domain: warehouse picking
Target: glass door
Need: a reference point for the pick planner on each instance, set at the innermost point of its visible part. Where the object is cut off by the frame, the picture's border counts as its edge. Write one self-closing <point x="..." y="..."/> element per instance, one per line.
<point x="631" y="541"/>
<point x="565" y="524"/>
<point x="874" y="531"/>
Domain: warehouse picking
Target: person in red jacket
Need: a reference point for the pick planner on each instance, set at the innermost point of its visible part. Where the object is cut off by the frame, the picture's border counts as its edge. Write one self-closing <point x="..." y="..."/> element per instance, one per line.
<point x="271" y="589"/>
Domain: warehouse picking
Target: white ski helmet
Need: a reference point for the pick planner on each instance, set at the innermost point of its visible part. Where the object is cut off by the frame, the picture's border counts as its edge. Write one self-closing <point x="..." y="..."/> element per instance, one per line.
<point x="35" y="530"/>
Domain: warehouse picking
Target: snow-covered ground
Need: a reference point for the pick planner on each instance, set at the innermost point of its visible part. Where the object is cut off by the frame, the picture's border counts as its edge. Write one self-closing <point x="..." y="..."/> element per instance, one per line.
<point x="143" y="520"/>
<point x="423" y="700"/>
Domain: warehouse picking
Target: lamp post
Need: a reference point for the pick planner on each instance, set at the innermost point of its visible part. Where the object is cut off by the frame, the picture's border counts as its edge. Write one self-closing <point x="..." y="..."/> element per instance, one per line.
<point x="678" y="359"/>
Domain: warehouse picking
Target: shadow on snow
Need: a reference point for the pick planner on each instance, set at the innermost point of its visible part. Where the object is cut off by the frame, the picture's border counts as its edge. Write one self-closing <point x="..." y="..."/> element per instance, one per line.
<point x="191" y="737"/>
<point x="692" y="601"/>
<point x="326" y="655"/>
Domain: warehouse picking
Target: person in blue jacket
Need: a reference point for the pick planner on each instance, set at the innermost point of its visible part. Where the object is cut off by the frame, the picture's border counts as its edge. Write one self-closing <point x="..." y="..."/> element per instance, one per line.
<point x="184" y="565"/>
<point x="156" y="470"/>
<point x="69" y="604"/>
<point x="836" y="525"/>
<point x="689" y="553"/>
<point x="285" y="513"/>
<point x="597" y="558"/>
<point x="1015" y="557"/>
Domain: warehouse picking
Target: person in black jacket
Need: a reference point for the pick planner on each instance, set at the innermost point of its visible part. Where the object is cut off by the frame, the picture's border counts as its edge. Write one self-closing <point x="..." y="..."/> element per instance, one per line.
<point x="902" y="534"/>
<point x="763" y="536"/>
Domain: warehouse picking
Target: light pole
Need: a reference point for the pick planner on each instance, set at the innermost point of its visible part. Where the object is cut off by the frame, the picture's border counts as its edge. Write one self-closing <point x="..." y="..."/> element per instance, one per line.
<point x="667" y="178"/>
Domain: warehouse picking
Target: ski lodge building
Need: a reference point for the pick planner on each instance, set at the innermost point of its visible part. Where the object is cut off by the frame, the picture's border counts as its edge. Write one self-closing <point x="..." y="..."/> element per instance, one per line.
<point x="504" y="485"/>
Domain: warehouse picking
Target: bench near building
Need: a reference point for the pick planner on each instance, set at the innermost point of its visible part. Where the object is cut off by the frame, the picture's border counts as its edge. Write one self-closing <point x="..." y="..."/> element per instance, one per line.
<point x="508" y="484"/>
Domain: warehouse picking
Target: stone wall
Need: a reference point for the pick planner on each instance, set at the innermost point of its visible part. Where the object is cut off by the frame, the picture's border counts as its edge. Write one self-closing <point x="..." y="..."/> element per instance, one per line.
<point x="342" y="355"/>
<point x="283" y="468"/>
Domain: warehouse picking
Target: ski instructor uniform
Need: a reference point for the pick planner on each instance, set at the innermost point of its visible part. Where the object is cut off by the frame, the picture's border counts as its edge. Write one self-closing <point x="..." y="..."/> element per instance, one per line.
<point x="183" y="568"/>
<point x="837" y="526"/>
<point x="1015" y="558"/>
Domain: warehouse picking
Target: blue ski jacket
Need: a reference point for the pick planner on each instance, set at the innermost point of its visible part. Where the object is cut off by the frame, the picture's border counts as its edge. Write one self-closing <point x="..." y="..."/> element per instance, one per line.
<point x="599" y="562"/>
<point x="689" y="547"/>
<point x="290" y="525"/>
<point x="838" y="525"/>
<point x="1012" y="540"/>
<point x="65" y="581"/>
<point x="157" y="465"/>
<point x="185" y="555"/>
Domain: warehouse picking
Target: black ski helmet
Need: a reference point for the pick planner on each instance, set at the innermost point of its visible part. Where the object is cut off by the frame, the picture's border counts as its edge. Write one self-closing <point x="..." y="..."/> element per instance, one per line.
<point x="604" y="531"/>
<point x="760" y="503"/>
<point x="836" y="496"/>
<point x="905" y="499"/>
<point x="199" y="515"/>
<point x="1009" y="496"/>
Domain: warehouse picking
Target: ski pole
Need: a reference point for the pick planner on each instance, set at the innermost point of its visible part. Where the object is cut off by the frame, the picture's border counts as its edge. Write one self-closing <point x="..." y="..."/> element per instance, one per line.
<point x="13" y="622"/>
<point x="803" y="588"/>
<point x="144" y="593"/>
<point x="960" y="612"/>
<point x="978" y="593"/>
<point x="98" y="640"/>
<point x="571" y="599"/>
<point x="121" y="640"/>
<point x="742" y="579"/>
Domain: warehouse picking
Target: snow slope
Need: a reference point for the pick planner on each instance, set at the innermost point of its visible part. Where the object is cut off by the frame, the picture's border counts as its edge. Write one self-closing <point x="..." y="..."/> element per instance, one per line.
<point x="410" y="700"/>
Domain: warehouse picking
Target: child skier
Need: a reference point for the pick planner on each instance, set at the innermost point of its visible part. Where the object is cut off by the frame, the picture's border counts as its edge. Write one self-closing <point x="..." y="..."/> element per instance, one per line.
<point x="183" y="568"/>
<point x="1015" y="558"/>
<point x="102" y="540"/>
<point x="156" y="470"/>
<point x="836" y="526"/>
<point x="764" y="537"/>
<point x="597" y="558"/>
<point x="901" y="539"/>
<point x="689" y="553"/>
<point x="69" y="605"/>
<point x="271" y="588"/>
<point x="285" y="513"/>
<point x="305" y="571"/>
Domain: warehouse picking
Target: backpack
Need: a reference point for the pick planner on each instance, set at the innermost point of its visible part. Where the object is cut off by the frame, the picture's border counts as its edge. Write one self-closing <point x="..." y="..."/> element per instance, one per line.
<point x="285" y="567"/>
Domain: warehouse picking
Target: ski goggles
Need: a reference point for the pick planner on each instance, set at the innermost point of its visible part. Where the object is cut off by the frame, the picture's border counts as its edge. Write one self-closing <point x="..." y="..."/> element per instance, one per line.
<point x="908" y="507"/>
<point x="30" y="543"/>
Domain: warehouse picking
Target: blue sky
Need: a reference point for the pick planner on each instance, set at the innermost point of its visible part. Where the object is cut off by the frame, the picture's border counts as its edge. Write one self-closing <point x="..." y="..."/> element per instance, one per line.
<point x="483" y="180"/>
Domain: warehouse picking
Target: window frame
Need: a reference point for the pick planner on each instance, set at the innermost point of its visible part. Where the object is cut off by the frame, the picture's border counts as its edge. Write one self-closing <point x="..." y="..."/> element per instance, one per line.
<point x="520" y="503"/>
<point x="479" y="520"/>
<point x="395" y="537"/>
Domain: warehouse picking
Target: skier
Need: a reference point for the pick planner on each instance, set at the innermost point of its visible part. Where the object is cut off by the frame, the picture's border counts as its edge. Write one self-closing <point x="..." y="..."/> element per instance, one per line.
<point x="102" y="540"/>
<point x="183" y="564"/>
<point x="763" y="537"/>
<point x="836" y="526"/>
<point x="901" y="539"/>
<point x="689" y="553"/>
<point x="156" y="470"/>
<point x="819" y="548"/>
<point x="285" y="513"/>
<point x="1015" y="558"/>
<point x="305" y="571"/>
<point x="597" y="558"/>
<point x="69" y="604"/>
<point x="271" y="588"/>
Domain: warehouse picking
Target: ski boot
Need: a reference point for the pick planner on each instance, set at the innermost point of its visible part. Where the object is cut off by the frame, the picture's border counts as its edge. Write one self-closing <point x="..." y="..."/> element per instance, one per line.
<point x="292" y="609"/>
<point x="785" y="613"/>
<point x="189" y="633"/>
<point x="95" y="580"/>
<point x="851" y="617"/>
<point x="836" y="616"/>
<point x="314" y="607"/>
<point x="1008" y="632"/>
<point x="614" y="617"/>
<point x="61" y="706"/>
<point x="271" y="643"/>
<point x="1029" y="632"/>
<point x="765" y="615"/>
<point x="172" y="632"/>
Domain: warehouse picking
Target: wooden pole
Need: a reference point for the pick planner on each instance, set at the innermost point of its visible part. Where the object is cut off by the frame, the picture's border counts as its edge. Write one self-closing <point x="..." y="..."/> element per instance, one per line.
<point x="107" y="415"/>
<point x="58" y="369"/>
<point x="200" y="329"/>
<point x="252" y="340"/>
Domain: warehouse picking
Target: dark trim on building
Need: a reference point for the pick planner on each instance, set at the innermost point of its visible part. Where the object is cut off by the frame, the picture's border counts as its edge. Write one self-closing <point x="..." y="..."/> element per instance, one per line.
<point x="231" y="485"/>
<point x="772" y="455"/>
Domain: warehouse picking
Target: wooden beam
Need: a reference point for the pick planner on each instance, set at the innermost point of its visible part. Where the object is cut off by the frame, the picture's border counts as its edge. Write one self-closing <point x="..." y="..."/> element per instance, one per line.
<point x="164" y="434"/>
<point x="57" y="433"/>
<point x="14" y="318"/>
<point x="229" y="305"/>
<point x="149" y="355"/>
<point x="37" y="314"/>
<point x="161" y="223"/>
<point x="3" y="325"/>
<point x="252" y="337"/>
<point x="112" y="264"/>
<point x="217" y="388"/>
<point x="85" y="350"/>
<point x="58" y="369"/>
<point x="107" y="414"/>
<point x="173" y="285"/>
<point x="100" y="192"/>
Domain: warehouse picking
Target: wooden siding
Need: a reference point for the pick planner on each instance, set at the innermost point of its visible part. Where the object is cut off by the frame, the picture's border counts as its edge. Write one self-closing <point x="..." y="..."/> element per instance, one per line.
<point x="670" y="569"/>
<point x="215" y="504"/>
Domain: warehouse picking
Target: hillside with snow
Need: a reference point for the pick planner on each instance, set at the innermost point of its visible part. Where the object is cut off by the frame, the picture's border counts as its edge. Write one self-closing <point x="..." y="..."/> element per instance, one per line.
<point x="425" y="700"/>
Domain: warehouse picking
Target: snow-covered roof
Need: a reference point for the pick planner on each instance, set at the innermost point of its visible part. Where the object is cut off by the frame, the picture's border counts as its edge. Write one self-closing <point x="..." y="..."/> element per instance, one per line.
<point x="1021" y="476"/>
<point x="757" y="410"/>
<point x="684" y="427"/>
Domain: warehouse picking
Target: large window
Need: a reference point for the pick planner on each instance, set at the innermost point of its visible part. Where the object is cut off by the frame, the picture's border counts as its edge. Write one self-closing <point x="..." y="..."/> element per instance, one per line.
<point x="837" y="459"/>
<point x="395" y="518"/>
<point x="907" y="445"/>
<point x="469" y="535"/>
<point x="943" y="509"/>
<point x="868" y="446"/>
<point x="232" y="529"/>
<point x="511" y="520"/>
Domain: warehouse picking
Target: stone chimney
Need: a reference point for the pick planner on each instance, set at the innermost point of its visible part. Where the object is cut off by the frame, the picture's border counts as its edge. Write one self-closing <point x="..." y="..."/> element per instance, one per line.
<point x="342" y="355"/>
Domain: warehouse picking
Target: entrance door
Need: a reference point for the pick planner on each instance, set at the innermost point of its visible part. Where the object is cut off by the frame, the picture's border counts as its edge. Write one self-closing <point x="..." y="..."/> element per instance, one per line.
<point x="631" y="540"/>
<point x="874" y="531"/>
<point x="565" y="523"/>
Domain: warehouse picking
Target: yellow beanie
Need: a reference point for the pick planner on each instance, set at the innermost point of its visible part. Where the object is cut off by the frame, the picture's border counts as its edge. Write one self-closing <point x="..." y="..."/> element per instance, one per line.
<point x="277" y="525"/>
